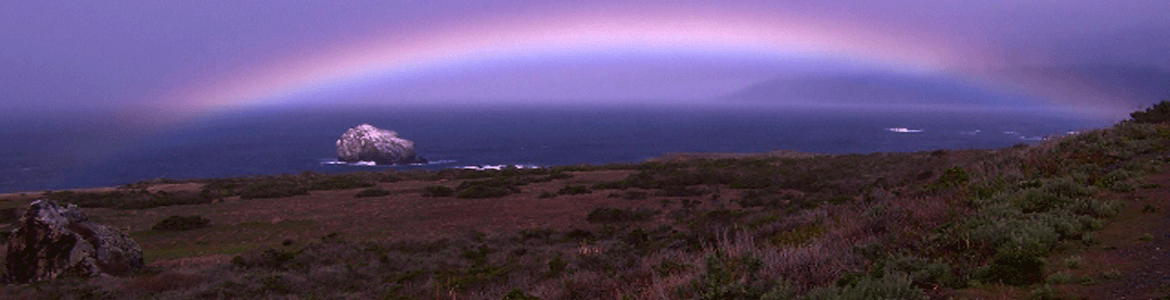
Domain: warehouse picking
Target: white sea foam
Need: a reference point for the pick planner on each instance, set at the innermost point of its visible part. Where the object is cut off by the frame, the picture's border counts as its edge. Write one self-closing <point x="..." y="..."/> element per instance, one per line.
<point x="498" y="167"/>
<point x="970" y="132"/>
<point x="1024" y="137"/>
<point x="903" y="130"/>
<point x="374" y="164"/>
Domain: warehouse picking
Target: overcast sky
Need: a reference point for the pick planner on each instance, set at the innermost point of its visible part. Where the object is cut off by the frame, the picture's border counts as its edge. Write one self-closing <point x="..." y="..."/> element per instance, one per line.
<point x="178" y="57"/>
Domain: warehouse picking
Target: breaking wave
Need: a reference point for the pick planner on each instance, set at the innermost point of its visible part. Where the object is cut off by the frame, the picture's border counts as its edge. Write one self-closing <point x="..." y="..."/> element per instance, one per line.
<point x="903" y="130"/>
<point x="498" y="167"/>
<point x="373" y="164"/>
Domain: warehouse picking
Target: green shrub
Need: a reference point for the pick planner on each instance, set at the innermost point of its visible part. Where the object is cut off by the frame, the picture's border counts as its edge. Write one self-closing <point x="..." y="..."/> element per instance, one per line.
<point x="727" y="277"/>
<point x="953" y="177"/>
<point x="1047" y="293"/>
<point x="1159" y="113"/>
<point x="634" y="195"/>
<point x="1067" y="187"/>
<point x="371" y="193"/>
<point x="271" y="259"/>
<point x="616" y="215"/>
<point x="1094" y="207"/>
<point x="491" y="188"/>
<point x="574" y="190"/>
<point x="438" y="191"/>
<point x="556" y="266"/>
<point x="1074" y="262"/>
<point x="133" y="199"/>
<point x="682" y="191"/>
<point x="889" y="286"/>
<point x="480" y="192"/>
<point x="517" y="294"/>
<point x="272" y="188"/>
<point x="1038" y="200"/>
<point x="1059" y="278"/>
<point x="338" y="182"/>
<point x="181" y="223"/>
<point x="921" y="270"/>
<point x="758" y="198"/>
<point x="1014" y="268"/>
<point x="797" y="236"/>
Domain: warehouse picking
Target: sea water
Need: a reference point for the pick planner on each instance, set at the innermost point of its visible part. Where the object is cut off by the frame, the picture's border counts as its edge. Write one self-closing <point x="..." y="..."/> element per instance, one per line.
<point x="37" y="157"/>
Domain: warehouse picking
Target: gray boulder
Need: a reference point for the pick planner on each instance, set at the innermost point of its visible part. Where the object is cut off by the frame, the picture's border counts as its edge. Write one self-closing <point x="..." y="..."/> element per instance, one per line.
<point x="51" y="241"/>
<point x="368" y="143"/>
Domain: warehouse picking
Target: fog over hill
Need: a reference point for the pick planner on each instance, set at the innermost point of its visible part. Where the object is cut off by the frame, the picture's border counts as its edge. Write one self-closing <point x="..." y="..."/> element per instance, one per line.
<point x="1135" y="87"/>
<point x="871" y="89"/>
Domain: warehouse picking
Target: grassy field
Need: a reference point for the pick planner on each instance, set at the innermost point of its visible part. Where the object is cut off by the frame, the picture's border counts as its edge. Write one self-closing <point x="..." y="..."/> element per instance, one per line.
<point x="1083" y="216"/>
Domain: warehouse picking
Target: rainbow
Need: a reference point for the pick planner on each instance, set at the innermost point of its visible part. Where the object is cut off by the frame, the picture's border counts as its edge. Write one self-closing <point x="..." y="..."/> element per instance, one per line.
<point x="403" y="55"/>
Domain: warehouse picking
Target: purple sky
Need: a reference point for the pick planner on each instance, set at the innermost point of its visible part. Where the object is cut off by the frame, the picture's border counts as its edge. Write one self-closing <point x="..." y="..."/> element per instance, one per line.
<point x="172" y="57"/>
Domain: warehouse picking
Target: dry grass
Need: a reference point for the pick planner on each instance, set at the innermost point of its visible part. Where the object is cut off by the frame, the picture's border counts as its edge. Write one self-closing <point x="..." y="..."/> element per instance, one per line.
<point x="713" y="227"/>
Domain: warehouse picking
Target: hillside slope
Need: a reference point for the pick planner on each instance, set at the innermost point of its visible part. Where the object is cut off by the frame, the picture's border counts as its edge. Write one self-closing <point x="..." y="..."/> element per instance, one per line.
<point x="1084" y="215"/>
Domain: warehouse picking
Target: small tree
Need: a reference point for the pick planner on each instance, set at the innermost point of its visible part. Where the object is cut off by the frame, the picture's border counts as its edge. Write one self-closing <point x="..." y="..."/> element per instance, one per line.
<point x="1159" y="113"/>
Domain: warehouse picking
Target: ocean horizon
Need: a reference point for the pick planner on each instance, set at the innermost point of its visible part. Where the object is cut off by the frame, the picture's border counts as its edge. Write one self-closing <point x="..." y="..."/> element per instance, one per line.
<point x="52" y="156"/>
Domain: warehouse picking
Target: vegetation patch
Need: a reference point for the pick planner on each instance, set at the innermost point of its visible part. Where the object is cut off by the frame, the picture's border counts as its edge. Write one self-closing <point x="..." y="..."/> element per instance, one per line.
<point x="618" y="215"/>
<point x="371" y="193"/>
<point x="438" y="191"/>
<point x="181" y="223"/>
<point x="574" y="190"/>
<point x="873" y="226"/>
<point x="129" y="199"/>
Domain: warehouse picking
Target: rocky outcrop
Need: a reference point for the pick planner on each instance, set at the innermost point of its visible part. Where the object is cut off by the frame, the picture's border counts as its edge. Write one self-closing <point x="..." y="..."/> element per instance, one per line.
<point x="52" y="241"/>
<point x="368" y="143"/>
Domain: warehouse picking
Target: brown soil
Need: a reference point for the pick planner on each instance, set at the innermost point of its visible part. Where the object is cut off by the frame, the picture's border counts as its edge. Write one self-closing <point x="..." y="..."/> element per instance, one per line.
<point x="240" y="225"/>
<point x="1133" y="259"/>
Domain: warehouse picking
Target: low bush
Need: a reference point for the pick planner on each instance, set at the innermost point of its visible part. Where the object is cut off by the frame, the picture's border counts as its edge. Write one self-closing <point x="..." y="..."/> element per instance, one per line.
<point x="888" y="286"/>
<point x="634" y="195"/>
<point x="952" y="178"/>
<point x="1014" y="268"/>
<point x="921" y="270"/>
<point x="1159" y="113"/>
<point x="574" y="190"/>
<point x="758" y="198"/>
<point x="339" y="182"/>
<point x="134" y="199"/>
<point x="181" y="223"/>
<point x="481" y="192"/>
<point x="371" y="193"/>
<point x="438" y="191"/>
<point x="492" y="188"/>
<point x="617" y="215"/>
<point x="728" y="277"/>
<point x="274" y="188"/>
<point x="517" y="294"/>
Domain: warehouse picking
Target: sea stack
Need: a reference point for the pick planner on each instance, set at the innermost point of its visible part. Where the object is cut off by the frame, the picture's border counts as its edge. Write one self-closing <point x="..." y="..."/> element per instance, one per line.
<point x="368" y="143"/>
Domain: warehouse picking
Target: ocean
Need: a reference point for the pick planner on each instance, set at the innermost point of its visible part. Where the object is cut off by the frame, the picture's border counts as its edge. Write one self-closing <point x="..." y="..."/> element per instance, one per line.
<point x="49" y="155"/>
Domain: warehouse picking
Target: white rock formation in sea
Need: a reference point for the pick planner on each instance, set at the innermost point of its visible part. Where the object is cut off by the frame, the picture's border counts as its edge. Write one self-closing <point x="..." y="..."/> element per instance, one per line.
<point x="365" y="143"/>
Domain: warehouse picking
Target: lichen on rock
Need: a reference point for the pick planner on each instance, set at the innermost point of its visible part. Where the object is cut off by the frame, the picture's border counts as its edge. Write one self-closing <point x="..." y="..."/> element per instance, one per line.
<point x="368" y="143"/>
<point x="52" y="241"/>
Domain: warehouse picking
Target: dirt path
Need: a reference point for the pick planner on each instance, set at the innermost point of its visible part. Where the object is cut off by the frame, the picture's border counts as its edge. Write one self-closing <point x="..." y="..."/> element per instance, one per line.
<point x="1133" y="259"/>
